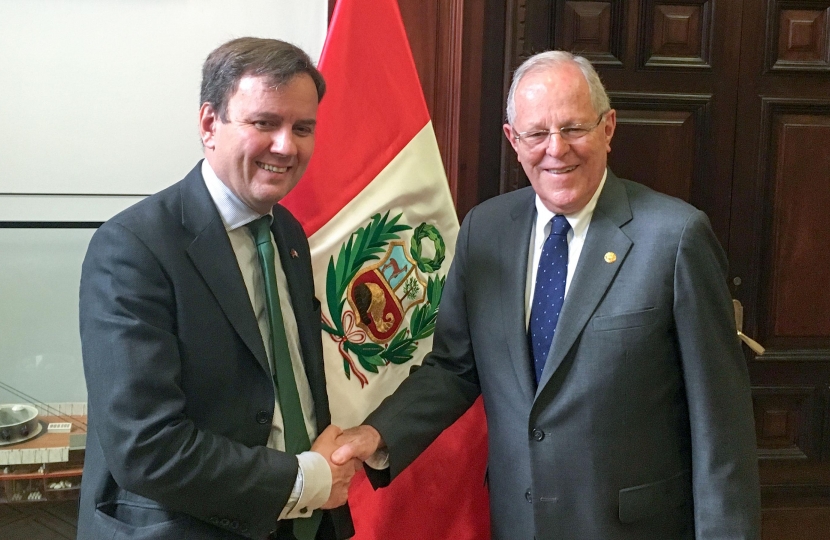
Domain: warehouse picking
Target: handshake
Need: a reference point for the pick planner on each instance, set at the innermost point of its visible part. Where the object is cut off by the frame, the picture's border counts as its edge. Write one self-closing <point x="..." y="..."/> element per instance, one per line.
<point x="345" y="452"/>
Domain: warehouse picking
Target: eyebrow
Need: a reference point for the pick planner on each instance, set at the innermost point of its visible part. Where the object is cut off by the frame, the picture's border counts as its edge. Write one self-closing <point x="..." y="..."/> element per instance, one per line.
<point x="277" y="118"/>
<point x="540" y="127"/>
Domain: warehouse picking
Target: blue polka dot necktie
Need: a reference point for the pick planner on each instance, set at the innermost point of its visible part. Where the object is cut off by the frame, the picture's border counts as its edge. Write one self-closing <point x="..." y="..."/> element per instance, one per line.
<point x="549" y="293"/>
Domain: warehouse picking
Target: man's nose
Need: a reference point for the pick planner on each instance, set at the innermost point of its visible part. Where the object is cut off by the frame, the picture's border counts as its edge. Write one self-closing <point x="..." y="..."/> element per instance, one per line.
<point x="283" y="142"/>
<point x="557" y="145"/>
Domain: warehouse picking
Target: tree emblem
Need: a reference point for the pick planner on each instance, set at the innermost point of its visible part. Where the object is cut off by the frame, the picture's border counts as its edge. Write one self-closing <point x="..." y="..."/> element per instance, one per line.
<point x="372" y="286"/>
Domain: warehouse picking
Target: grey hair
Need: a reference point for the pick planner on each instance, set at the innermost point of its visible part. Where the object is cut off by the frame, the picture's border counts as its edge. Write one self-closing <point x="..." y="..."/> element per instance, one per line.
<point x="549" y="59"/>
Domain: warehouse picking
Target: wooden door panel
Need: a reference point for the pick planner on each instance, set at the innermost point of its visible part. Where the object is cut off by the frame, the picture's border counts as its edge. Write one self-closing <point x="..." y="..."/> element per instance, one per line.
<point x="798" y="261"/>
<point x="789" y="422"/>
<point x="662" y="141"/>
<point x="658" y="148"/>
<point x="595" y="29"/>
<point x="799" y="40"/>
<point x="676" y="35"/>
<point x="803" y="523"/>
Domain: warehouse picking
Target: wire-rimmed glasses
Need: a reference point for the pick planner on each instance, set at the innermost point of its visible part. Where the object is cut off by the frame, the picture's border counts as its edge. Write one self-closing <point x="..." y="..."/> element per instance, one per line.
<point x="539" y="137"/>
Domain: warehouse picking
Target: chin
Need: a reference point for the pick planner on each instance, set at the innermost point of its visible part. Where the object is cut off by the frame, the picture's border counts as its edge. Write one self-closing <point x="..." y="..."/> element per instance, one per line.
<point x="560" y="204"/>
<point x="273" y="192"/>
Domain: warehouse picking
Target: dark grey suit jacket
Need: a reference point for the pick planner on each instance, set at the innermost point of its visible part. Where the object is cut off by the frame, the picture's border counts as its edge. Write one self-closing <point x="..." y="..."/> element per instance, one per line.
<point x="641" y="426"/>
<point x="180" y="392"/>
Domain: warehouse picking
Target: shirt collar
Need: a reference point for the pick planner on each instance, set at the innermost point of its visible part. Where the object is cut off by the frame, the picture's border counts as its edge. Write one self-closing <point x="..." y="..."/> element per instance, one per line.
<point x="578" y="220"/>
<point x="232" y="210"/>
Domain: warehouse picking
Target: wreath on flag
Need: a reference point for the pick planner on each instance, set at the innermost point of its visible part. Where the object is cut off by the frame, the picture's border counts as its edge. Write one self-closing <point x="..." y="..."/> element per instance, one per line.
<point x="364" y="246"/>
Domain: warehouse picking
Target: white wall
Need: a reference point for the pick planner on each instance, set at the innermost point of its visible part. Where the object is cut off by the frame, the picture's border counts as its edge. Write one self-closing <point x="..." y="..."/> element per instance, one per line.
<point x="101" y="96"/>
<point x="98" y="108"/>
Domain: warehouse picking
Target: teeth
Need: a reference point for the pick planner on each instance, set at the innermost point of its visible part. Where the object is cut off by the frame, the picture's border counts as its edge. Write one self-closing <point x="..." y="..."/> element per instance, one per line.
<point x="271" y="168"/>
<point x="562" y="171"/>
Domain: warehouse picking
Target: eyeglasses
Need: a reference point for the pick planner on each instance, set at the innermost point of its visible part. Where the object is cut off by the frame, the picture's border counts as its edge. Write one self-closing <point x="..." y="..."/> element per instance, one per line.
<point x="536" y="138"/>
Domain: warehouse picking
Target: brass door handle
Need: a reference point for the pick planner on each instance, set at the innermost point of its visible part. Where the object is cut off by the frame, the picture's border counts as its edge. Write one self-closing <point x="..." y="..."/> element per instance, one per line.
<point x="739" y="324"/>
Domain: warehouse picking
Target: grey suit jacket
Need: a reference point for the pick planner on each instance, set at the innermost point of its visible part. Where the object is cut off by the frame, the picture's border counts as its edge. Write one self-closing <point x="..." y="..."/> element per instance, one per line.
<point x="180" y="392"/>
<point x="641" y="426"/>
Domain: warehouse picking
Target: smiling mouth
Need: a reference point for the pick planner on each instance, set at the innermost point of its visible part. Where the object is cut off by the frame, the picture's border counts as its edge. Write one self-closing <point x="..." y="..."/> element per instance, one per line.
<point x="271" y="168"/>
<point x="563" y="170"/>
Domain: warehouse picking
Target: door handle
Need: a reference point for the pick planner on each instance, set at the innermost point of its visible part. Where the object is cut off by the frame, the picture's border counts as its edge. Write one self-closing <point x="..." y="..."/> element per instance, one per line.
<point x="739" y="324"/>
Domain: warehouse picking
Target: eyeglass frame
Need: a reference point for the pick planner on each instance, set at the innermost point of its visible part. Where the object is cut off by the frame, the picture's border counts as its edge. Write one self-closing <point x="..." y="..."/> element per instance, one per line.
<point x="521" y="137"/>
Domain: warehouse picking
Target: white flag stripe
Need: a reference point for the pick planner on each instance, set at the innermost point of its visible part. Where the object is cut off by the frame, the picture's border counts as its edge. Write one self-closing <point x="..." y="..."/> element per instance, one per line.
<point x="424" y="197"/>
<point x="414" y="183"/>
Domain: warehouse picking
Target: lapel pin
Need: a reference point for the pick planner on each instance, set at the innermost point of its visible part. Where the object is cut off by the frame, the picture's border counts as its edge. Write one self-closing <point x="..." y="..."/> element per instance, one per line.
<point x="610" y="257"/>
<point x="294" y="254"/>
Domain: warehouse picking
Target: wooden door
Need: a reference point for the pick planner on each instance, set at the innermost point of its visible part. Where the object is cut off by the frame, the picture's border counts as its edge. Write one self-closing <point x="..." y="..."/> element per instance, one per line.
<point x="779" y="250"/>
<point x="726" y="104"/>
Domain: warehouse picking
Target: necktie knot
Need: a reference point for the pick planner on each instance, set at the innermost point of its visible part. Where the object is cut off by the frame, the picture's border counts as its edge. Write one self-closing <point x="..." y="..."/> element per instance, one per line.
<point x="261" y="229"/>
<point x="559" y="225"/>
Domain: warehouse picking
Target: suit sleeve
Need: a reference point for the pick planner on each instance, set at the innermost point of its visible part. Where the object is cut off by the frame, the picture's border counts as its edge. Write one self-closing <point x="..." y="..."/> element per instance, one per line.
<point x="724" y="463"/>
<point x="443" y="388"/>
<point x="138" y="409"/>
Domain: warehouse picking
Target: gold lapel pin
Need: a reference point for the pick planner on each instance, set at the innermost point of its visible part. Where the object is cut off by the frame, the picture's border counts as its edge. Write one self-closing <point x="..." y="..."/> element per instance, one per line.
<point x="294" y="254"/>
<point x="610" y="257"/>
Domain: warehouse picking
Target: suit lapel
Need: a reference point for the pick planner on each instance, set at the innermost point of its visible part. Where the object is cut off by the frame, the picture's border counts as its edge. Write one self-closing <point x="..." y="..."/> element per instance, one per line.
<point x="593" y="274"/>
<point x="513" y="283"/>
<point x="212" y="255"/>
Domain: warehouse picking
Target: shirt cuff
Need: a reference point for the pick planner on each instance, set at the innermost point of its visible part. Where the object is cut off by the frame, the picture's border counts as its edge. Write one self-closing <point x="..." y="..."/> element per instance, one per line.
<point x="311" y="488"/>
<point x="379" y="460"/>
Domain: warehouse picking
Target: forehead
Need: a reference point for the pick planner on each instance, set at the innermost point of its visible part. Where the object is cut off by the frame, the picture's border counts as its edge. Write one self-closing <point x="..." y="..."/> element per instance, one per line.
<point x="298" y="95"/>
<point x="558" y="92"/>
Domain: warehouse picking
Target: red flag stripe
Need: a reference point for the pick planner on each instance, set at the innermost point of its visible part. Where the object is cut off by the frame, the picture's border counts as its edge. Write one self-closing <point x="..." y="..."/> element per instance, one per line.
<point x="374" y="92"/>
<point x="441" y="495"/>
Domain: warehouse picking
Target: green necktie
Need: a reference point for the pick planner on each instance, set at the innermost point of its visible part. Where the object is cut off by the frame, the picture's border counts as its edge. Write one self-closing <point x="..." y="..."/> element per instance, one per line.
<point x="296" y="436"/>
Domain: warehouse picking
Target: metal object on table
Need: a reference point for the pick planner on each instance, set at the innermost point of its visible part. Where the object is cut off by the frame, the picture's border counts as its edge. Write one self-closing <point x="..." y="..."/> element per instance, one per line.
<point x="18" y="423"/>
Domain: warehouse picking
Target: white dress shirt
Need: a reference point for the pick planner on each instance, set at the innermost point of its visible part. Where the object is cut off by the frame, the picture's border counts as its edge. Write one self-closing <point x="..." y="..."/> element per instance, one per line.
<point x="579" y="222"/>
<point x="313" y="485"/>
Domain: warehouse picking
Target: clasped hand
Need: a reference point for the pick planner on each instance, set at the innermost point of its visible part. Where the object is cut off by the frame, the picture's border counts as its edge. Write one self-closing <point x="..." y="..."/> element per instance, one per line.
<point x="345" y="451"/>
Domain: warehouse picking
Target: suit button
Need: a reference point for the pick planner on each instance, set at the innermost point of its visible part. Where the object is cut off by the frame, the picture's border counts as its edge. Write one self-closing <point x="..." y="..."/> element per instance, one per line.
<point x="214" y="521"/>
<point x="234" y="524"/>
<point x="225" y="522"/>
<point x="528" y="497"/>
<point x="537" y="434"/>
<point x="304" y="510"/>
<point x="262" y="417"/>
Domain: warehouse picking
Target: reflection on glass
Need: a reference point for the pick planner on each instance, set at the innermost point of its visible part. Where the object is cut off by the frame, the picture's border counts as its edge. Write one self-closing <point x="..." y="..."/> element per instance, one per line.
<point x="40" y="348"/>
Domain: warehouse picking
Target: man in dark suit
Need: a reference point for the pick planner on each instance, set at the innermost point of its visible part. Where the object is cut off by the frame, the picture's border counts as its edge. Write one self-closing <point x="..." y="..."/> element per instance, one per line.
<point x="188" y="431"/>
<point x="592" y="315"/>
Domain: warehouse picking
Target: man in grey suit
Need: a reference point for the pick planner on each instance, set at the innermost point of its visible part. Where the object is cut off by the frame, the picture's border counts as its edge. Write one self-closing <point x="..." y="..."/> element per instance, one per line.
<point x="188" y="429"/>
<point x="592" y="315"/>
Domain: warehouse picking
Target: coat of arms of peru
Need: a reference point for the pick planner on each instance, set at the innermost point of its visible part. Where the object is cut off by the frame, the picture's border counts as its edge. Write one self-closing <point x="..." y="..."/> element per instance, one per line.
<point x="372" y="286"/>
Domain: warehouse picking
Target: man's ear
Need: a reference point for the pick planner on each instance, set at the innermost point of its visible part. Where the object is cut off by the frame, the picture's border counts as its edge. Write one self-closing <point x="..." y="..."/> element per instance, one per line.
<point x="208" y="120"/>
<point x="508" y="132"/>
<point x="610" y="126"/>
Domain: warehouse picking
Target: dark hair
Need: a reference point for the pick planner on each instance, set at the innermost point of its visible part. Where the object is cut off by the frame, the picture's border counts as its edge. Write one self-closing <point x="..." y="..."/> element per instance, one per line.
<point x="273" y="59"/>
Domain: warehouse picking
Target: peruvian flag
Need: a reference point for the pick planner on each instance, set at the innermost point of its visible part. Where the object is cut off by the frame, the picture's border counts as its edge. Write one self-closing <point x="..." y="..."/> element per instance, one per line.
<point x="376" y="206"/>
